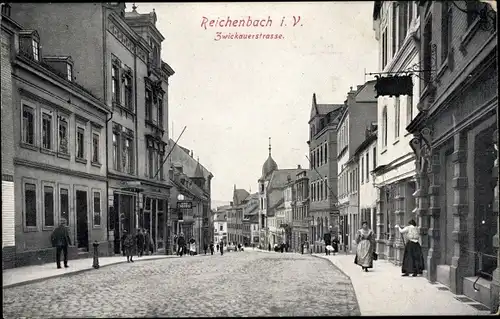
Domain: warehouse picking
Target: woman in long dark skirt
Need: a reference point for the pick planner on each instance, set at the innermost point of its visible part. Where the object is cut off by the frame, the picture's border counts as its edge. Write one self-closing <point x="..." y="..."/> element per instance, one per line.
<point x="413" y="259"/>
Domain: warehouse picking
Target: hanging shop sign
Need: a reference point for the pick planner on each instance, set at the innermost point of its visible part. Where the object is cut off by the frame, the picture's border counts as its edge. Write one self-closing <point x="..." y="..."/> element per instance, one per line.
<point x="394" y="86"/>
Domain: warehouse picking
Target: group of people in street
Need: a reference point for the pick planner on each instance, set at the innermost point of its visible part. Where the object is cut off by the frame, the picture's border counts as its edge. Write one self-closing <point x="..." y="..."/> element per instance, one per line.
<point x="413" y="260"/>
<point x="140" y="244"/>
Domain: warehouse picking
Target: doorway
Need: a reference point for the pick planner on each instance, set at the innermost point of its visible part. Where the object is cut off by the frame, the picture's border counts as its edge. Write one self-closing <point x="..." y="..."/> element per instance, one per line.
<point x="485" y="223"/>
<point x="115" y="221"/>
<point x="82" y="226"/>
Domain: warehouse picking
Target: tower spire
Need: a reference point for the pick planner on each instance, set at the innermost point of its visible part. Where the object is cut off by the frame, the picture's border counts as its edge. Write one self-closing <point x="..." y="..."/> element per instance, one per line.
<point x="269" y="146"/>
<point x="134" y="7"/>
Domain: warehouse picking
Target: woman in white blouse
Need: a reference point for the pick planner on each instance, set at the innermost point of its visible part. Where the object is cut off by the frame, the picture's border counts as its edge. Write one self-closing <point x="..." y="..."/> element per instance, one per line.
<point x="413" y="260"/>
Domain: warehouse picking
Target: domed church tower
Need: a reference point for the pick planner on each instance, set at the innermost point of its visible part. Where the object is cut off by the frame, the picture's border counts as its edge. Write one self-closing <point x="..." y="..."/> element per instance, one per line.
<point x="267" y="170"/>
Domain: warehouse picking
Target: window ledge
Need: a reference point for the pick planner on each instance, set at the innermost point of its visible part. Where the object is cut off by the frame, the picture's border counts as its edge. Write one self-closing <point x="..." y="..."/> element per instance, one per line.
<point x="97" y="227"/>
<point x="384" y="150"/>
<point x="96" y="164"/>
<point x="468" y="35"/>
<point x="64" y="155"/>
<point x="48" y="228"/>
<point x="396" y="141"/>
<point x="123" y="109"/>
<point x="81" y="160"/>
<point x="29" y="146"/>
<point x="47" y="151"/>
<point x="30" y="229"/>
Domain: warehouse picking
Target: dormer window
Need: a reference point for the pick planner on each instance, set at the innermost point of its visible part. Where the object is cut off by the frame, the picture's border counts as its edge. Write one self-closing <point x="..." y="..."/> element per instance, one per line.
<point x="69" y="72"/>
<point x="36" y="49"/>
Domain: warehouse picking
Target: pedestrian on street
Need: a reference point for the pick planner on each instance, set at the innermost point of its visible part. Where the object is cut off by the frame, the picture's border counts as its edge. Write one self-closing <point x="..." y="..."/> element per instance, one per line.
<point x="365" y="241"/>
<point x="205" y="248"/>
<point x="181" y="242"/>
<point x="175" y="245"/>
<point x="140" y="242"/>
<point x="221" y="248"/>
<point x="327" y="237"/>
<point x="269" y="247"/>
<point x="151" y="244"/>
<point x="192" y="247"/>
<point x="217" y="247"/>
<point x="61" y="240"/>
<point x="147" y="243"/>
<point x="335" y="244"/>
<point x="129" y="243"/>
<point x="239" y="247"/>
<point x="413" y="259"/>
<point x="212" y="248"/>
<point x="302" y="248"/>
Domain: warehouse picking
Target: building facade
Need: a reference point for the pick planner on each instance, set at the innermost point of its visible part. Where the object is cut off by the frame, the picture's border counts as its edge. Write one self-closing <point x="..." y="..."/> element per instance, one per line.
<point x="220" y="225"/>
<point x="250" y="212"/>
<point x="454" y="138"/>
<point x="366" y="155"/>
<point x="323" y="211"/>
<point x="359" y="113"/>
<point x="61" y="124"/>
<point x="300" y="211"/>
<point x="9" y="34"/>
<point x="397" y="25"/>
<point x="124" y="69"/>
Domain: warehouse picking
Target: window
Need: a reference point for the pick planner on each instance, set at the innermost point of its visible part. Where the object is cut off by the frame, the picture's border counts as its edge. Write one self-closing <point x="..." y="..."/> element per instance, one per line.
<point x="63" y="135"/>
<point x="394" y="27"/>
<point x="128" y="162"/>
<point x="116" y="152"/>
<point x="95" y="148"/>
<point x="80" y="142"/>
<point x="128" y="92"/>
<point x="36" y="50"/>
<point x="151" y="154"/>
<point x="149" y="105"/>
<point x="384" y="49"/>
<point x="69" y="69"/>
<point x="115" y="83"/>
<point x="374" y="157"/>
<point x="362" y="170"/>
<point x="397" y="117"/>
<point x="30" y="204"/>
<point x="160" y="113"/>
<point x="97" y="208"/>
<point x="317" y="158"/>
<point x="367" y="166"/>
<point x="46" y="130"/>
<point x="321" y="190"/>
<point x="48" y="204"/>
<point x="409" y="109"/>
<point x="384" y="127"/>
<point x="321" y="155"/>
<point x="221" y="228"/>
<point x="404" y="20"/>
<point x="427" y="47"/>
<point x="446" y="27"/>
<point x="64" y="203"/>
<point x="28" y="125"/>
<point x="326" y="153"/>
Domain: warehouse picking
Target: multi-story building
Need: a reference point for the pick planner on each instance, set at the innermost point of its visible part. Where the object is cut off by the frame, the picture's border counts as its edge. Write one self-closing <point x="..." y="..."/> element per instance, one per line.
<point x="300" y="210"/>
<point x="397" y="25"/>
<point x="322" y="143"/>
<point x="250" y="211"/>
<point x="194" y="218"/>
<point x="235" y="216"/>
<point x="359" y="113"/>
<point x="9" y="32"/>
<point x="60" y="124"/>
<point x="267" y="169"/>
<point x="121" y="66"/>
<point x="286" y="222"/>
<point x="220" y="225"/>
<point x="366" y="157"/>
<point x="455" y="140"/>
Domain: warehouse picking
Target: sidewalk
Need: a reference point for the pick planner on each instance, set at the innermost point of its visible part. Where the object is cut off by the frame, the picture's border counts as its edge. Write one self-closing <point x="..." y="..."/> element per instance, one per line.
<point x="29" y="274"/>
<point x="382" y="291"/>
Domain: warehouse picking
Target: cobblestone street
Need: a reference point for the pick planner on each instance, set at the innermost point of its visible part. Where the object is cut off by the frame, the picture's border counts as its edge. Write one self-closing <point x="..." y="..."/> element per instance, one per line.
<point x="236" y="284"/>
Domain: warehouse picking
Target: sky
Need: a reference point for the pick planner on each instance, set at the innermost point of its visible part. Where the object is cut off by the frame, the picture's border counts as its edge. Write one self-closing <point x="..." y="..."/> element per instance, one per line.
<point x="233" y="94"/>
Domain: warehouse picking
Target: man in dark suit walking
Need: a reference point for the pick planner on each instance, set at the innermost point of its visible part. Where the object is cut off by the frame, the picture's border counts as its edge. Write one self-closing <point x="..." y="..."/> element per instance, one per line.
<point x="61" y="240"/>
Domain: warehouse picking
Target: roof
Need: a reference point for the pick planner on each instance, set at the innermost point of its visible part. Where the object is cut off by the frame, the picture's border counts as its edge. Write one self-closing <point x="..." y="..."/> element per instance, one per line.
<point x="198" y="173"/>
<point x="322" y="109"/>
<point x="239" y="195"/>
<point x="279" y="178"/>
<point x="272" y="209"/>
<point x="254" y="219"/>
<point x="253" y="211"/>
<point x="252" y="196"/>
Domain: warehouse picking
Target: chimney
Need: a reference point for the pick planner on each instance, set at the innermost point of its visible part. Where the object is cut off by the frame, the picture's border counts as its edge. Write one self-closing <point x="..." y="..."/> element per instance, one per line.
<point x="298" y="166"/>
<point x="231" y="204"/>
